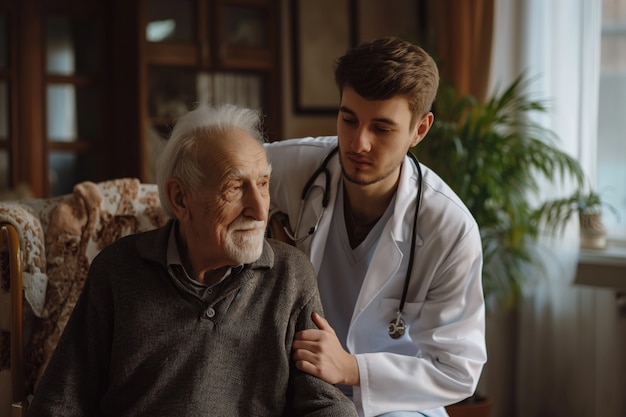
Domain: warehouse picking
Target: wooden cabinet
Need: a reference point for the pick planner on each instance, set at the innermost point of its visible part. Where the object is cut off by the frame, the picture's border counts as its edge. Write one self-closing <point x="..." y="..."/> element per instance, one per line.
<point x="8" y="83"/>
<point x="89" y="88"/>
<point x="53" y="106"/>
<point x="208" y="51"/>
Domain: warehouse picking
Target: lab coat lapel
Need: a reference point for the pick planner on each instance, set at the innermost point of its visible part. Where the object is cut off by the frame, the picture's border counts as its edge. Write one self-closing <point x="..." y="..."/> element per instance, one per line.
<point x="384" y="265"/>
<point x="396" y="234"/>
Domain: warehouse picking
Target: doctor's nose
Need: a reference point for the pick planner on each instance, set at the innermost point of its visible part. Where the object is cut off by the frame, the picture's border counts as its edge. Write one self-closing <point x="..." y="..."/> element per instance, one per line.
<point x="361" y="142"/>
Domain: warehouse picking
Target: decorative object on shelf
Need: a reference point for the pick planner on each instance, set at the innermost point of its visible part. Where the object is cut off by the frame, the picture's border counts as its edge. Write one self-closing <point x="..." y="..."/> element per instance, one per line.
<point x="588" y="205"/>
<point x="592" y="230"/>
<point x="245" y="35"/>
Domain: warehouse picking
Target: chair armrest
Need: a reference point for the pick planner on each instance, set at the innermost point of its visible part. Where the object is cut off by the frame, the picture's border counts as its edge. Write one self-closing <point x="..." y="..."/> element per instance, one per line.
<point x="17" y="352"/>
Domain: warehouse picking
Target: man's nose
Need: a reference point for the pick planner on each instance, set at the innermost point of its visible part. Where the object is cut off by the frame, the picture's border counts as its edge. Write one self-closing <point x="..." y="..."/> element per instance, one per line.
<point x="361" y="141"/>
<point x="256" y="204"/>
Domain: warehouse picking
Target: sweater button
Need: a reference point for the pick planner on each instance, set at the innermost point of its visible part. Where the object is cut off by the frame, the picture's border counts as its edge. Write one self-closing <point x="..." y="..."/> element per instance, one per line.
<point x="209" y="313"/>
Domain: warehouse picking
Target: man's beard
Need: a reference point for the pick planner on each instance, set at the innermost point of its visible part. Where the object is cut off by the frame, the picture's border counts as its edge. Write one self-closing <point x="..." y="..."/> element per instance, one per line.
<point x="245" y="247"/>
<point x="364" y="182"/>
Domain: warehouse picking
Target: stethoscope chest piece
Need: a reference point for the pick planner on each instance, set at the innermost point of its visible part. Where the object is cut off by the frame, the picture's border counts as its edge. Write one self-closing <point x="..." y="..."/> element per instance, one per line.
<point x="396" y="327"/>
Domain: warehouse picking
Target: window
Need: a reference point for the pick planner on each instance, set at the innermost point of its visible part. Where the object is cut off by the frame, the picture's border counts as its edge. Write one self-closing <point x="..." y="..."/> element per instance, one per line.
<point x="611" y="151"/>
<point x="575" y="50"/>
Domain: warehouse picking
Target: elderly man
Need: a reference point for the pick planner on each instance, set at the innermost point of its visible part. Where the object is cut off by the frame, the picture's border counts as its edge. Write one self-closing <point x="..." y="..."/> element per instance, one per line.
<point x="196" y="318"/>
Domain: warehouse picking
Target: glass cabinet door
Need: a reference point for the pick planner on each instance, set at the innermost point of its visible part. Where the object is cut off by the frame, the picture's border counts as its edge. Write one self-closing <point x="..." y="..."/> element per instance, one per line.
<point x="173" y="91"/>
<point x="72" y="102"/>
<point x="210" y="52"/>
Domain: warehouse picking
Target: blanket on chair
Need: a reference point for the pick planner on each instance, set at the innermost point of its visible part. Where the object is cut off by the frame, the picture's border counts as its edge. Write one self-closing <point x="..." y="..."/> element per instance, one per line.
<point x="81" y="225"/>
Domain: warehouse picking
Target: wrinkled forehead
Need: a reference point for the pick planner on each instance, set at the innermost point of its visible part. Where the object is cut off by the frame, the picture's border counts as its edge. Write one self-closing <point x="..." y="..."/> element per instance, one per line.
<point x="234" y="154"/>
<point x="227" y="142"/>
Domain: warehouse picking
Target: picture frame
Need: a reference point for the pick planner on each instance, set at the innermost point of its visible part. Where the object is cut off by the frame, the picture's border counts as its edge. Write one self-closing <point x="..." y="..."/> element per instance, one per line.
<point x="246" y="31"/>
<point x="319" y="36"/>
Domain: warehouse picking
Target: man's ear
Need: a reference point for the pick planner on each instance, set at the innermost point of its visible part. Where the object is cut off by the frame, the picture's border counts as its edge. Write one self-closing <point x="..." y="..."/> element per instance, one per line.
<point x="422" y="127"/>
<point x="177" y="195"/>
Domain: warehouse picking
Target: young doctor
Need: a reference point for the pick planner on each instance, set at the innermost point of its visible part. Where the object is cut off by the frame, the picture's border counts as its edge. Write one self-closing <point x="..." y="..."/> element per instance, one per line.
<point x="398" y="256"/>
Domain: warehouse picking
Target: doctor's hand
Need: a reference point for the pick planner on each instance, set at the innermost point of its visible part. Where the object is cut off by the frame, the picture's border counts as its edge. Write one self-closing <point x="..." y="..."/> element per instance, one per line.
<point x="319" y="353"/>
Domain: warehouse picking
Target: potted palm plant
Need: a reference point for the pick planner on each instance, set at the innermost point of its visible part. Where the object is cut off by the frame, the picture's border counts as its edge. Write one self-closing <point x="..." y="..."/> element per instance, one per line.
<point x="495" y="157"/>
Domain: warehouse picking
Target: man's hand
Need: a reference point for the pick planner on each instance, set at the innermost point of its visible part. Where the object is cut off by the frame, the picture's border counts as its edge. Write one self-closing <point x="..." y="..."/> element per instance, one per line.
<point x="319" y="353"/>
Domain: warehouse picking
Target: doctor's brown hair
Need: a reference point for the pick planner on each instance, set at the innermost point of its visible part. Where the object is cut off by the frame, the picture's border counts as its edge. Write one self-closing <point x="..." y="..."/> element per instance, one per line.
<point x="389" y="67"/>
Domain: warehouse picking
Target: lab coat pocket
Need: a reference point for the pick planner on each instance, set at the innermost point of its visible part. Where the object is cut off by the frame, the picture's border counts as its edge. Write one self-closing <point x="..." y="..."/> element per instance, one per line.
<point x="402" y="342"/>
<point x="389" y="308"/>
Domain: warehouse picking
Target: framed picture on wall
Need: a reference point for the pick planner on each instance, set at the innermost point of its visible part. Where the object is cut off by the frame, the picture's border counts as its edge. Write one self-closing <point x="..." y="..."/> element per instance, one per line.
<point x="321" y="32"/>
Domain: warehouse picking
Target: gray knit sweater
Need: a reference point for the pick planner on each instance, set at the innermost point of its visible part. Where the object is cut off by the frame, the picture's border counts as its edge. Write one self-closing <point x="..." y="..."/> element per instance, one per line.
<point x="137" y="344"/>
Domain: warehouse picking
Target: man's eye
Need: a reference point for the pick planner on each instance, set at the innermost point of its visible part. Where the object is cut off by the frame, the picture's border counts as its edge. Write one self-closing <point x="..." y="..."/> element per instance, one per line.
<point x="234" y="189"/>
<point x="349" y="121"/>
<point x="382" y="129"/>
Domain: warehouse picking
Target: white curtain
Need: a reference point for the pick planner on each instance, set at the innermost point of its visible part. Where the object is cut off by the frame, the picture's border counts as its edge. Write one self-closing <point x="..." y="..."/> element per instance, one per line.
<point x="563" y="343"/>
<point x="557" y="44"/>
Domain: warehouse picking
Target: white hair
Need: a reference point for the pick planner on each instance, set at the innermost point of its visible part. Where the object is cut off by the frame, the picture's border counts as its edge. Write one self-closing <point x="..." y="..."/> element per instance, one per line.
<point x="179" y="157"/>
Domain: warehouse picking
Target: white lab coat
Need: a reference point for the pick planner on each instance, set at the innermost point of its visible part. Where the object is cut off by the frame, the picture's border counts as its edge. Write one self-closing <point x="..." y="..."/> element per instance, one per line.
<point x="439" y="359"/>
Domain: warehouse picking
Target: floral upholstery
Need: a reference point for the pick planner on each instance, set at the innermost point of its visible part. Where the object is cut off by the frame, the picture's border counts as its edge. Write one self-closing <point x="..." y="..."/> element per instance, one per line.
<point x="59" y="237"/>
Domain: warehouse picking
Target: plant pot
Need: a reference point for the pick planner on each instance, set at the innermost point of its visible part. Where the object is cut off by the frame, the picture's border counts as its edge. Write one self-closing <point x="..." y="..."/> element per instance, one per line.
<point x="475" y="406"/>
<point x="592" y="231"/>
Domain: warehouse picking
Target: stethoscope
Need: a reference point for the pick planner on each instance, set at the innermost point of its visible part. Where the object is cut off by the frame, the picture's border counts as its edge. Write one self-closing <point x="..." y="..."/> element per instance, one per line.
<point x="397" y="326"/>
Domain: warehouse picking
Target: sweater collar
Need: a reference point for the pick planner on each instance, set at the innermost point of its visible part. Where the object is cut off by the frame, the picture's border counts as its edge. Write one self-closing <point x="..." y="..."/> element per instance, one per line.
<point x="152" y="246"/>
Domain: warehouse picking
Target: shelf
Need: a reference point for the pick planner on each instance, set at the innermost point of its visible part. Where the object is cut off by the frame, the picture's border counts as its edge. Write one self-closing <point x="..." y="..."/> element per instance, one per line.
<point x="605" y="268"/>
<point x="173" y="54"/>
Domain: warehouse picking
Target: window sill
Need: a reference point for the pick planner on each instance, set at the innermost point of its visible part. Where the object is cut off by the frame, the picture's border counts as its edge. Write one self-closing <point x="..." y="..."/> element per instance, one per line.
<point x="604" y="268"/>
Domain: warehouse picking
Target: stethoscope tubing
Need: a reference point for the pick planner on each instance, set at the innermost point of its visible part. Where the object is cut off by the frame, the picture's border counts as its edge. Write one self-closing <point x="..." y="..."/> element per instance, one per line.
<point x="322" y="169"/>
<point x="396" y="327"/>
<point x="405" y="289"/>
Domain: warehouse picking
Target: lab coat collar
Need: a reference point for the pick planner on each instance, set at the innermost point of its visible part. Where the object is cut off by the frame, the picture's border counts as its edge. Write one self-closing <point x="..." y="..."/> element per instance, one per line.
<point x="408" y="188"/>
<point x="401" y="221"/>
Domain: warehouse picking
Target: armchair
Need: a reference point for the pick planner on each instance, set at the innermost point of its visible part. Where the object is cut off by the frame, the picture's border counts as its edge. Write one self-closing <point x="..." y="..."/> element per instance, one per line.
<point x="46" y="247"/>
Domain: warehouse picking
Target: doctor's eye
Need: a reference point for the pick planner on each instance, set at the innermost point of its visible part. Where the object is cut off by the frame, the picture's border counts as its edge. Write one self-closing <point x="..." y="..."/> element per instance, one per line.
<point x="349" y="120"/>
<point x="382" y="129"/>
